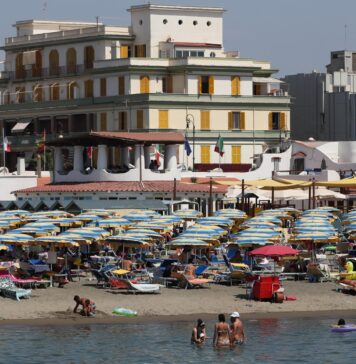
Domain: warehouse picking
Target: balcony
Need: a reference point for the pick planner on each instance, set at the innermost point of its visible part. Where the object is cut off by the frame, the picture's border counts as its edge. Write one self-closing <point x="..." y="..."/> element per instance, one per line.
<point x="38" y="73"/>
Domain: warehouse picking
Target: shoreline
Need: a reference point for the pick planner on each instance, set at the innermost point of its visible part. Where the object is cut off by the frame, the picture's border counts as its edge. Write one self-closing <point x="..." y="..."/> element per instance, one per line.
<point x="72" y="320"/>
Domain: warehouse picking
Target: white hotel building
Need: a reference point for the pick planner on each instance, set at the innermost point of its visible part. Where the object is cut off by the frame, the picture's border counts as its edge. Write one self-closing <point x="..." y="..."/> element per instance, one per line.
<point x="167" y="67"/>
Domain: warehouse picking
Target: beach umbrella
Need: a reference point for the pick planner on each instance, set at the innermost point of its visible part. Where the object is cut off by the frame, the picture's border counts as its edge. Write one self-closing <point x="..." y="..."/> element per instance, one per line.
<point x="63" y="221"/>
<point x="56" y="241"/>
<point x="273" y="251"/>
<point x="16" y="239"/>
<point x="113" y="223"/>
<point x="148" y="232"/>
<point x="188" y="214"/>
<point x="87" y="217"/>
<point x="4" y="247"/>
<point x="19" y="213"/>
<point x="82" y="240"/>
<point x="127" y="241"/>
<point x="99" y="212"/>
<point x="188" y="242"/>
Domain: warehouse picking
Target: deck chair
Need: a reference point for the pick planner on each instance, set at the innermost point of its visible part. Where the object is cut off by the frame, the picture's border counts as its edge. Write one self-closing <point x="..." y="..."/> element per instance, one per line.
<point x="193" y="282"/>
<point x="9" y="289"/>
<point x="318" y="272"/>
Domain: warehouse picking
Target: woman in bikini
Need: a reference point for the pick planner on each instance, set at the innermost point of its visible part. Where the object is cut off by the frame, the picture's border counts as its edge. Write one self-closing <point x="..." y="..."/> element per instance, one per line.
<point x="199" y="333"/>
<point x="222" y="333"/>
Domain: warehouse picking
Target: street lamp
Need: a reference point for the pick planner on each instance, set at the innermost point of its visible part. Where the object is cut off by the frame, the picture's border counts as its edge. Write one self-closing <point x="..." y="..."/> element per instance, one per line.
<point x="190" y="120"/>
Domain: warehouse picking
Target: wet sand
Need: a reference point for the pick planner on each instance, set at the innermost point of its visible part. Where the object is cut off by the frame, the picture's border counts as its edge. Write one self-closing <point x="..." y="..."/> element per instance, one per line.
<point x="55" y="305"/>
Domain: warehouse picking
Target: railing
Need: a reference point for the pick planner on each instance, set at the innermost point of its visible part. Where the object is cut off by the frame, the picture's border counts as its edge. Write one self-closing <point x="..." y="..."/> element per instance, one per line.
<point x="35" y="73"/>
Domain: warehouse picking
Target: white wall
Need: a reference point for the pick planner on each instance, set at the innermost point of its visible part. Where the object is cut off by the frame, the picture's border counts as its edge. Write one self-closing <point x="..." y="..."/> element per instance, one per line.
<point x="10" y="183"/>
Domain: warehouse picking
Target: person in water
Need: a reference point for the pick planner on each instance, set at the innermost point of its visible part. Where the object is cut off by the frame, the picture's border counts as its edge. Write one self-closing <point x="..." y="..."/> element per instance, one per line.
<point x="221" y="333"/>
<point x="341" y="322"/>
<point x="237" y="329"/>
<point x="199" y="333"/>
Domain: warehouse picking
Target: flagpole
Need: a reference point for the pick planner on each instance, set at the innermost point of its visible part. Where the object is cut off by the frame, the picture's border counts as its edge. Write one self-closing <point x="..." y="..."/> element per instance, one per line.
<point x="3" y="148"/>
<point x="44" y="149"/>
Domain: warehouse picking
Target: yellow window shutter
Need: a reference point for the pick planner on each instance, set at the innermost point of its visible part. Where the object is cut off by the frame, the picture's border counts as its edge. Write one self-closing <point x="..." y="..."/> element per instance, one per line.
<point x="144" y="84"/>
<point x="282" y="120"/>
<point x="139" y="117"/>
<point x="270" y="121"/>
<point x="205" y="154"/>
<point x="205" y="120"/>
<point x="242" y="121"/>
<point x="163" y="119"/>
<point x="124" y="51"/>
<point x="103" y="121"/>
<point x="88" y="86"/>
<point x="236" y="154"/>
<point x="235" y="85"/>
<point x="199" y="85"/>
<point x="230" y="126"/>
<point x="211" y="85"/>
<point x="121" y="85"/>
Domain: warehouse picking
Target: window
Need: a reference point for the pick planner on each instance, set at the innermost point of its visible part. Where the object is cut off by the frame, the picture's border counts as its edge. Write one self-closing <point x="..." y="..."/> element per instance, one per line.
<point x="54" y="92"/>
<point x="140" y="50"/>
<point x="236" y="154"/>
<point x="88" y="88"/>
<point x="276" y="162"/>
<point x="20" y="69"/>
<point x="122" y="120"/>
<point x="103" y="87"/>
<point x="206" y="85"/>
<point x="37" y="67"/>
<point x="163" y="119"/>
<point x="201" y="54"/>
<point x="89" y="57"/>
<point x="298" y="165"/>
<point x="125" y="51"/>
<point x="165" y="21"/>
<point x="72" y="90"/>
<point x="195" y="22"/>
<point x="37" y="93"/>
<point x="235" y="85"/>
<point x="257" y="89"/>
<point x="139" y="116"/>
<point x="236" y="120"/>
<point x="103" y="121"/>
<point x="53" y="63"/>
<point x="167" y="84"/>
<point x="204" y="120"/>
<point x="276" y="121"/>
<point x="208" y="23"/>
<point x="180" y="21"/>
<point x="20" y="94"/>
<point x="122" y="85"/>
<point x="212" y="54"/>
<point x="179" y="54"/>
<point x="144" y="85"/>
<point x="71" y="60"/>
<point x="205" y="154"/>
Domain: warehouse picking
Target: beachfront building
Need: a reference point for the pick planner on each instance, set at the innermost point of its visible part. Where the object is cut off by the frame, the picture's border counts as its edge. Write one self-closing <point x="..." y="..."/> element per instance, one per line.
<point x="167" y="71"/>
<point x="324" y="104"/>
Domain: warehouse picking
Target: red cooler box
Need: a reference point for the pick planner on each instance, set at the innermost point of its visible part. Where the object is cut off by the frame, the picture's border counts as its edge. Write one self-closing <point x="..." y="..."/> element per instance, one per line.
<point x="264" y="287"/>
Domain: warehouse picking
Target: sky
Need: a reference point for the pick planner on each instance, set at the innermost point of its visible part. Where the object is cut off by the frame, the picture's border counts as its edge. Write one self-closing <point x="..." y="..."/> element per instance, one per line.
<point x="295" y="36"/>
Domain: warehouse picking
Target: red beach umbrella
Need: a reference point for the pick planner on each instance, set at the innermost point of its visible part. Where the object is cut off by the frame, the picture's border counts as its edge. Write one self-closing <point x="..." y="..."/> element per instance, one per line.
<point x="273" y="251"/>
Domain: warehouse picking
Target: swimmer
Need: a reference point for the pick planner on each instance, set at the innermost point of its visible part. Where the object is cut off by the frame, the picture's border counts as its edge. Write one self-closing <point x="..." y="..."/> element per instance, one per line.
<point x="199" y="333"/>
<point x="221" y="333"/>
<point x="237" y="329"/>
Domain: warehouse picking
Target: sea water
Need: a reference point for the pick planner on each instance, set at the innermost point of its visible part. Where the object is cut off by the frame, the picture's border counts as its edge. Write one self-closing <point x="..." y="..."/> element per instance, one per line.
<point x="268" y="341"/>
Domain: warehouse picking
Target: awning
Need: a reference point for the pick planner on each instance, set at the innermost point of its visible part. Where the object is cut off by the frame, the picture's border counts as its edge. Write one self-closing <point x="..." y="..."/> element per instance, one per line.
<point x="21" y="126"/>
<point x="266" y="80"/>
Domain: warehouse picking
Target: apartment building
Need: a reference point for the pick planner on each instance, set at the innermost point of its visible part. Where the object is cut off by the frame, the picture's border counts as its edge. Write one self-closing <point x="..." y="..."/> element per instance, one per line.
<point x="167" y="71"/>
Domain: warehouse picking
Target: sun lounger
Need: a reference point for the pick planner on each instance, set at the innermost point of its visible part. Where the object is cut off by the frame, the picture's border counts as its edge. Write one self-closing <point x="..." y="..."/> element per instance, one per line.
<point x="9" y="289"/>
<point x="193" y="282"/>
<point x="131" y="286"/>
<point x="316" y="273"/>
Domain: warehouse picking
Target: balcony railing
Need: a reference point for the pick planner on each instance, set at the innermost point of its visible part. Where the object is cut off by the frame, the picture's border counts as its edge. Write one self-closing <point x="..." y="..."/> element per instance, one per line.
<point x="36" y="73"/>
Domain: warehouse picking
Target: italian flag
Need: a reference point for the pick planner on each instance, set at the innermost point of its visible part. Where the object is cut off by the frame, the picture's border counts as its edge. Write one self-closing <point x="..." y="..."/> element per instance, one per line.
<point x="219" y="146"/>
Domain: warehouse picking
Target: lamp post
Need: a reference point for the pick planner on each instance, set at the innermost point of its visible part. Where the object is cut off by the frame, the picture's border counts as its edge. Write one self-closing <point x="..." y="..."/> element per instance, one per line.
<point x="190" y="120"/>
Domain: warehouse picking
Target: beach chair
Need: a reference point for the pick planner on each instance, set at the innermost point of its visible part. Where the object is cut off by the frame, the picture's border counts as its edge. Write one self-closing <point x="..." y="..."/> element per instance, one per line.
<point x="133" y="286"/>
<point x="318" y="273"/>
<point x="193" y="282"/>
<point x="9" y="289"/>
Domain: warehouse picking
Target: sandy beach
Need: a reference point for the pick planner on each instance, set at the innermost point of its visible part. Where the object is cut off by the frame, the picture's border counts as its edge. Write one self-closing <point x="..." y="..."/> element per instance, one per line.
<point x="55" y="305"/>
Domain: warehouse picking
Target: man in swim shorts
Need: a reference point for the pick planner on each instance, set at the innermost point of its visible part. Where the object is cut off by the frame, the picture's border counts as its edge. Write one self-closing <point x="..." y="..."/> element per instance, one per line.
<point x="237" y="329"/>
